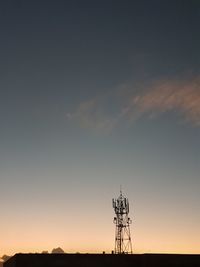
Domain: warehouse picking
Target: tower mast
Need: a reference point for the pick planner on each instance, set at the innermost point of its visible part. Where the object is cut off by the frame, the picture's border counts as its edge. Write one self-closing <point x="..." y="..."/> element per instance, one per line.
<point x="123" y="243"/>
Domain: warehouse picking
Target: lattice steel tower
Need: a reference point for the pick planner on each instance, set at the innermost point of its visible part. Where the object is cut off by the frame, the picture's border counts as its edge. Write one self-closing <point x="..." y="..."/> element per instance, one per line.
<point x="123" y="243"/>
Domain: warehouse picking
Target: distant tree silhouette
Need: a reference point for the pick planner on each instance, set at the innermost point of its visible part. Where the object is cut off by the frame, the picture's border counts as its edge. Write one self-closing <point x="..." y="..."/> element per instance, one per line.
<point x="58" y="251"/>
<point x="5" y="257"/>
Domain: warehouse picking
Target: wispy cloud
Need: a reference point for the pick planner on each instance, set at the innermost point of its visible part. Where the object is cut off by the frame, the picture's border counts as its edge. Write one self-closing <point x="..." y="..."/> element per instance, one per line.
<point x="94" y="114"/>
<point x="178" y="96"/>
<point x="128" y="104"/>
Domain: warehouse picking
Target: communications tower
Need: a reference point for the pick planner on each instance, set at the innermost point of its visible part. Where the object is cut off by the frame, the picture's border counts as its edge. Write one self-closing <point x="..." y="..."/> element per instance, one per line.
<point x="123" y="243"/>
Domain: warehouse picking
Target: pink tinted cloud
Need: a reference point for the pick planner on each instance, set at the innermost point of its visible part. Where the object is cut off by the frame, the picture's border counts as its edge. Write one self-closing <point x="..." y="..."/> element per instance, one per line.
<point x="178" y="96"/>
<point x="182" y="97"/>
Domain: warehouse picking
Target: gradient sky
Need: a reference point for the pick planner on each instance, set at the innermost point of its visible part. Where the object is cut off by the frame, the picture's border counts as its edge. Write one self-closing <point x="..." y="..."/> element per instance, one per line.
<point x="94" y="95"/>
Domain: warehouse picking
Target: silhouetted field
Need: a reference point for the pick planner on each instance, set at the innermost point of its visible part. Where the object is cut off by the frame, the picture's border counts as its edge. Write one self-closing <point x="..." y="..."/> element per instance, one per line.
<point x="103" y="260"/>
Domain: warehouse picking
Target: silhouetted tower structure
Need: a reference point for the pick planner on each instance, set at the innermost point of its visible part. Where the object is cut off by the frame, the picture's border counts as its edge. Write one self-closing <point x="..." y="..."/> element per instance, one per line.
<point x="123" y="243"/>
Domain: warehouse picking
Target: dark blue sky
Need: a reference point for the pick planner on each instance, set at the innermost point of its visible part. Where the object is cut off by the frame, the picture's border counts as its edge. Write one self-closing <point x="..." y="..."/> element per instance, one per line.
<point x="94" y="94"/>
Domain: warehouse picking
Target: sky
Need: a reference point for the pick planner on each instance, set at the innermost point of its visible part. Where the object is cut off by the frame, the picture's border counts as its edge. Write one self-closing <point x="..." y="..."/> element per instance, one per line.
<point x="94" y="95"/>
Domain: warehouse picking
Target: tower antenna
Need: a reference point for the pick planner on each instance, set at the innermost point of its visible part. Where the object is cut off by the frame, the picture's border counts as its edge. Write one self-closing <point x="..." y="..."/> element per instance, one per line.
<point x="123" y="243"/>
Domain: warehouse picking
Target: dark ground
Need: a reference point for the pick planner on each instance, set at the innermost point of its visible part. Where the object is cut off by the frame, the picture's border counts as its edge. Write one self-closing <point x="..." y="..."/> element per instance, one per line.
<point x="103" y="260"/>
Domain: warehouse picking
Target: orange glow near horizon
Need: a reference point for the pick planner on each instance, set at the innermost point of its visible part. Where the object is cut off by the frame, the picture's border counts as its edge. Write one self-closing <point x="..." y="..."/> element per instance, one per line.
<point x="144" y="241"/>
